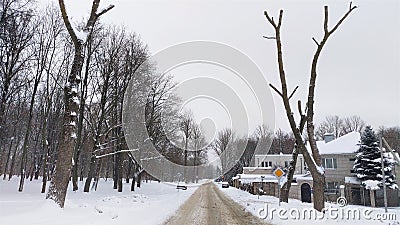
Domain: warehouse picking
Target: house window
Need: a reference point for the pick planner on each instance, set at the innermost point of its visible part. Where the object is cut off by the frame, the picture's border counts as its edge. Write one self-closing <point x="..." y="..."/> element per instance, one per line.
<point x="329" y="163"/>
<point x="331" y="187"/>
<point x="286" y="163"/>
<point x="269" y="164"/>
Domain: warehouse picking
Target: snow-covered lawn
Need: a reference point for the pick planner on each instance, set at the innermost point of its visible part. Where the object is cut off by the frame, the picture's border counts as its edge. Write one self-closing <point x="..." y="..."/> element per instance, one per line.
<point x="290" y="211"/>
<point x="151" y="204"/>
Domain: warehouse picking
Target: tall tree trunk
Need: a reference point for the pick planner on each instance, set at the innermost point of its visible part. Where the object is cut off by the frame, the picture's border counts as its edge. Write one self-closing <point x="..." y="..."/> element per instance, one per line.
<point x="91" y="174"/>
<point x="83" y="96"/>
<point x="120" y="170"/>
<point x="59" y="183"/>
<point x="97" y="176"/>
<point x="26" y="140"/>
<point x="133" y="183"/>
<point x="8" y="157"/>
<point x="139" y="179"/>
<point x="13" y="159"/>
<point x="292" y="168"/>
<point x="45" y="166"/>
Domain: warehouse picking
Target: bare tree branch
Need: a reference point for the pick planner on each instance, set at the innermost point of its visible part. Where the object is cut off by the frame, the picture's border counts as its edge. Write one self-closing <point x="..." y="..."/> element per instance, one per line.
<point x="351" y="8"/>
<point x="269" y="37"/>
<point x="275" y="89"/>
<point x="316" y="42"/>
<point x="291" y="95"/>
<point x="270" y="20"/>
<point x="105" y="10"/>
<point x="280" y="18"/>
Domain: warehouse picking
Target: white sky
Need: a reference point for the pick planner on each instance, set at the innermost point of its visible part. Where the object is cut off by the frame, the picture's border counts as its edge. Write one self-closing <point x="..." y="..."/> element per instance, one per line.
<point x="359" y="69"/>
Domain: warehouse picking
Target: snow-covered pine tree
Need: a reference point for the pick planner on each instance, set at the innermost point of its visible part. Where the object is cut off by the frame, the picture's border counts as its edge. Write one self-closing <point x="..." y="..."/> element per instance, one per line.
<point x="367" y="165"/>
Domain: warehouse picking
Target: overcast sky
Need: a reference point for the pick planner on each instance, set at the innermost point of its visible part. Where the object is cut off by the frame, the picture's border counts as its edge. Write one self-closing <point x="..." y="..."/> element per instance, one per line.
<point x="359" y="69"/>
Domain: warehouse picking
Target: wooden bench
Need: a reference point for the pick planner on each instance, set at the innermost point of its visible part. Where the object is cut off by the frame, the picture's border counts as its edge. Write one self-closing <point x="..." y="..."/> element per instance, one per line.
<point x="182" y="187"/>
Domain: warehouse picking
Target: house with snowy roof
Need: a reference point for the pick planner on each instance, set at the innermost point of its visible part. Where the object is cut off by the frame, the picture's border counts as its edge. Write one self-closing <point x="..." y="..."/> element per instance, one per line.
<point x="338" y="157"/>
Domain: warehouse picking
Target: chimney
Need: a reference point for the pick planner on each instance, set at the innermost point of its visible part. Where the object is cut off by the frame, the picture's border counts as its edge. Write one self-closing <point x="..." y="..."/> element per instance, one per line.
<point x="329" y="137"/>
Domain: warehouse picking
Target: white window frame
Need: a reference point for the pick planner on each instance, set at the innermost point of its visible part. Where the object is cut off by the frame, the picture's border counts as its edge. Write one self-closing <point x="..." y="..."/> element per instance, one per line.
<point x="333" y="162"/>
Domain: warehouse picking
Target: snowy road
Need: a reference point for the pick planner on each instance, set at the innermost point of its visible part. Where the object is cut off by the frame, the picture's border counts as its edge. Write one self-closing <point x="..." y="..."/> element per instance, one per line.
<point x="208" y="205"/>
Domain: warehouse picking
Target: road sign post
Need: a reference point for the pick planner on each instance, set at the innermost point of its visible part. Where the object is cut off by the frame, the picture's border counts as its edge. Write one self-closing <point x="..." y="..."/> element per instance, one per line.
<point x="278" y="173"/>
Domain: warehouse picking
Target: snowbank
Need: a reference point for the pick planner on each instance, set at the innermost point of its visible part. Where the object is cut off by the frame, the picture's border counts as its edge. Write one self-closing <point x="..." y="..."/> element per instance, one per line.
<point x="151" y="204"/>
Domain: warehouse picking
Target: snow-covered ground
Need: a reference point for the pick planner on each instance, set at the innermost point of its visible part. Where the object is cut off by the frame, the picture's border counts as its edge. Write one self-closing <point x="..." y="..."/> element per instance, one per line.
<point x="292" y="212"/>
<point x="151" y="204"/>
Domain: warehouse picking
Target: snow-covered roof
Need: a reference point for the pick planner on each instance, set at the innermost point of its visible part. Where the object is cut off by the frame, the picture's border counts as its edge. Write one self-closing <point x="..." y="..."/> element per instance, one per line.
<point x="345" y="144"/>
<point x="303" y="178"/>
<point x="256" y="176"/>
<point x="250" y="178"/>
<point x="320" y="144"/>
<point x="257" y="168"/>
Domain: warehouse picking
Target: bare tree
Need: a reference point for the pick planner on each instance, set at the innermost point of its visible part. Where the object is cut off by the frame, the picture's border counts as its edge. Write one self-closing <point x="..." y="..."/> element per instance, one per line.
<point x="221" y="145"/>
<point x="264" y="137"/>
<point x="16" y="32"/>
<point x="186" y="127"/>
<point x="331" y="124"/>
<point x="312" y="156"/>
<point x="353" y="123"/>
<point x="59" y="183"/>
<point x="199" y="153"/>
<point x="392" y="136"/>
<point x="47" y="31"/>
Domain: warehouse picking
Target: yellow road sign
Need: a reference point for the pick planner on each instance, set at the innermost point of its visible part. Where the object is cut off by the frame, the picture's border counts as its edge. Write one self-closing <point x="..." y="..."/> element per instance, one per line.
<point x="278" y="172"/>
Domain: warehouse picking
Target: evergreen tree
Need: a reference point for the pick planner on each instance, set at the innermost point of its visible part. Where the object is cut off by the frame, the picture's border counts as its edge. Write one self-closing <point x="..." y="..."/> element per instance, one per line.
<point x="367" y="165"/>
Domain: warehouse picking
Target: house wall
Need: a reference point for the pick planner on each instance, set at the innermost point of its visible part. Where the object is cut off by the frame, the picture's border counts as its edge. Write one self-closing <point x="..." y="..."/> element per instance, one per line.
<point x="279" y="160"/>
<point x="344" y="167"/>
<point x="257" y="170"/>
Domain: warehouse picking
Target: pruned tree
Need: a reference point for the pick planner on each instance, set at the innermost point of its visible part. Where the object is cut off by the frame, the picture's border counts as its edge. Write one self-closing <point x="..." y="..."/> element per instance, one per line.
<point x="311" y="156"/>
<point x="59" y="183"/>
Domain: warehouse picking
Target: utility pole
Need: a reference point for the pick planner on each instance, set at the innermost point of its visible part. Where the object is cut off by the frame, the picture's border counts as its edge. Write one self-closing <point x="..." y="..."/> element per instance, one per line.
<point x="383" y="175"/>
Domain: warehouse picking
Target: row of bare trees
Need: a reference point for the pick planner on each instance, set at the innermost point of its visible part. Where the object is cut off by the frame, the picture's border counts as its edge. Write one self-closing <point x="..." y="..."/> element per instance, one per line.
<point x="61" y="98"/>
